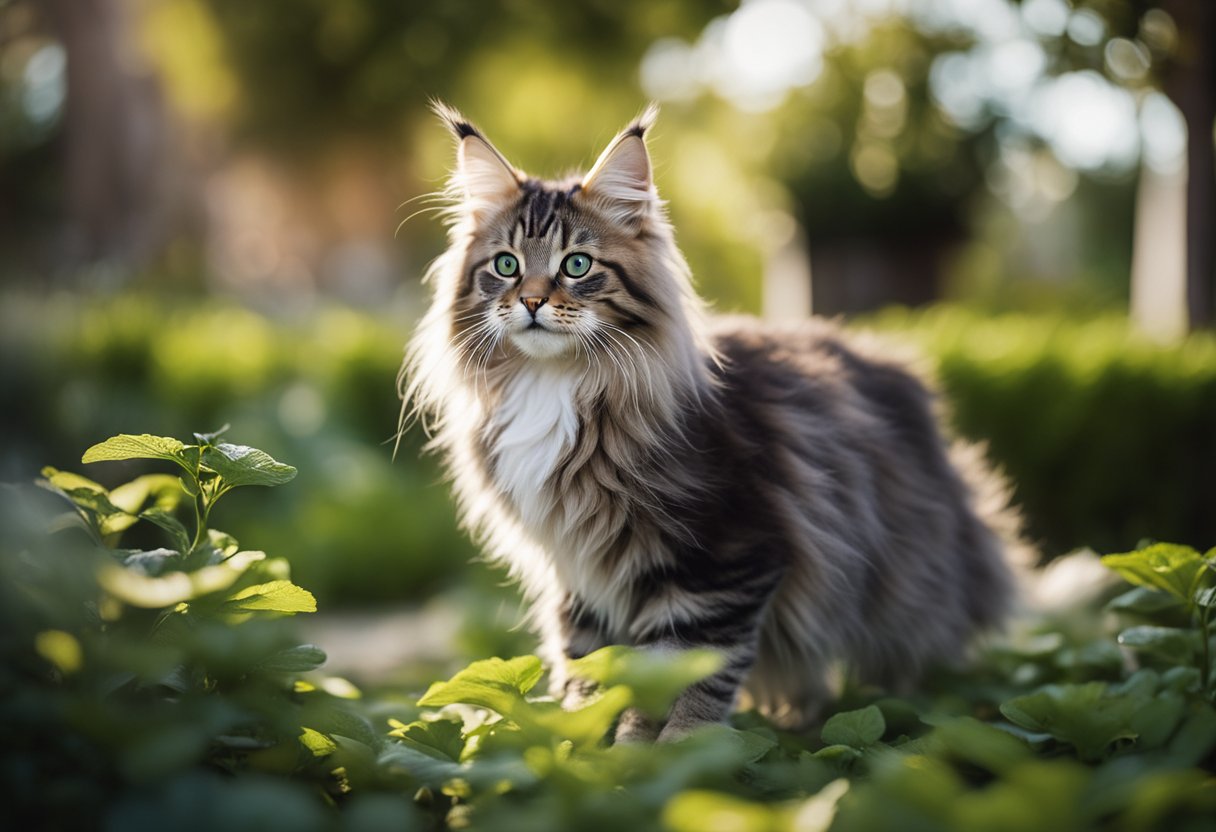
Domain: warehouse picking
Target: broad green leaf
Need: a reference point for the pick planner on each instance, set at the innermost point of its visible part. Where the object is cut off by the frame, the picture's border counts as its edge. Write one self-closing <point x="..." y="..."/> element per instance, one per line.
<point x="440" y="738"/>
<point x="982" y="744"/>
<point x="209" y="438"/>
<point x="94" y="499"/>
<point x="1166" y="566"/>
<point x="817" y="812"/>
<point x="152" y="562"/>
<point x="1155" y="721"/>
<point x="1143" y="600"/>
<point x="856" y="729"/>
<point x="164" y="489"/>
<point x="1171" y="643"/>
<point x="706" y="811"/>
<point x="1195" y="740"/>
<point x="275" y="596"/>
<point x="243" y="465"/>
<point x="177" y="532"/>
<point x="1083" y="716"/>
<point x="224" y="544"/>
<point x="298" y="659"/>
<point x="492" y="683"/>
<point x="60" y="649"/>
<point x="1158" y="799"/>
<point x="132" y="587"/>
<point x="316" y="742"/>
<point x="437" y="770"/>
<point x="143" y="446"/>
<point x="656" y="677"/>
<point x="584" y="726"/>
<point x="1206" y="597"/>
<point x="837" y="753"/>
<point x="429" y="769"/>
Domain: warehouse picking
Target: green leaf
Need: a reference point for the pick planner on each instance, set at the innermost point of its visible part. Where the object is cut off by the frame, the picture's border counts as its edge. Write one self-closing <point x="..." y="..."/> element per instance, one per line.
<point x="1155" y="721"/>
<point x="492" y="683"/>
<point x="1206" y="597"/>
<point x="106" y="517"/>
<point x="1171" y="643"/>
<point x="298" y="659"/>
<point x="143" y="446"/>
<point x="164" y="489"/>
<point x="982" y="744"/>
<point x="856" y="729"/>
<point x="656" y="677"/>
<point x="177" y="532"/>
<point x="1083" y="716"/>
<point x="243" y="465"/>
<point x="275" y="596"/>
<point x="316" y="742"/>
<point x="584" y="726"/>
<point x="209" y="438"/>
<point x="1195" y="740"/>
<point x="1166" y="566"/>
<point x="706" y="811"/>
<point x="439" y="738"/>
<point x="1144" y="600"/>
<point x="139" y="590"/>
<point x="152" y="562"/>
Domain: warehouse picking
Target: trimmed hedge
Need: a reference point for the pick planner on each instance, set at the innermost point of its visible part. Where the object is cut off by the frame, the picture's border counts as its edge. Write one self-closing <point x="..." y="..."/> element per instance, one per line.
<point x="1108" y="437"/>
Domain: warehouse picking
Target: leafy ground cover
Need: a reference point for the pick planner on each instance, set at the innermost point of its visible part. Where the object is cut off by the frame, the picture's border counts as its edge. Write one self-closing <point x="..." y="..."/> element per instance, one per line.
<point x="159" y="685"/>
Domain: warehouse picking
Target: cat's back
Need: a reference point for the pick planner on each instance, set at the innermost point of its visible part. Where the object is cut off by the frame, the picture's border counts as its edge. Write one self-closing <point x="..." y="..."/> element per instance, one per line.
<point x="814" y="376"/>
<point x="873" y="486"/>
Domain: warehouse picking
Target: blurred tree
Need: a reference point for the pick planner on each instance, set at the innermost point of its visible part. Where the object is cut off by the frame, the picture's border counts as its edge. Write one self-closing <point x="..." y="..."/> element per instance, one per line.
<point x="881" y="180"/>
<point x="1191" y="83"/>
<point x="1168" y="44"/>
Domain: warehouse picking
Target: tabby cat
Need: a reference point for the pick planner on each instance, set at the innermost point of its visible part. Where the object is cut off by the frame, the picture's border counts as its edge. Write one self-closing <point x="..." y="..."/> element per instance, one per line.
<point x="659" y="479"/>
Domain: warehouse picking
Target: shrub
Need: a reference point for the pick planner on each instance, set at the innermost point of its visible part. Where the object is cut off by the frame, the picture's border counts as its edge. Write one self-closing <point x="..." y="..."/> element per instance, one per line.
<point x="1108" y="437"/>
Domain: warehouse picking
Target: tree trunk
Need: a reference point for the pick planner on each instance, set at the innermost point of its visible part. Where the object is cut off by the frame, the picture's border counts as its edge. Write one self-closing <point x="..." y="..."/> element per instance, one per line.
<point x="1191" y="84"/>
<point x="115" y="137"/>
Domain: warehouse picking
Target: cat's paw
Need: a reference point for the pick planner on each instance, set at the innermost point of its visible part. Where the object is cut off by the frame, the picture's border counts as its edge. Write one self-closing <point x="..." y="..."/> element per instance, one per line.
<point x="636" y="727"/>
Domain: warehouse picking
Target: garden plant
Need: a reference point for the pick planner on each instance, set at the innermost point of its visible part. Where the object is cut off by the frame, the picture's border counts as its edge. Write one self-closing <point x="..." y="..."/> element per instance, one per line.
<point x="151" y="680"/>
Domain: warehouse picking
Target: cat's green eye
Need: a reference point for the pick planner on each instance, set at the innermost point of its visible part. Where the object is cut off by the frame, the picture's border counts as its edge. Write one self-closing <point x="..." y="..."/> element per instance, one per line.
<point x="506" y="265"/>
<point x="576" y="265"/>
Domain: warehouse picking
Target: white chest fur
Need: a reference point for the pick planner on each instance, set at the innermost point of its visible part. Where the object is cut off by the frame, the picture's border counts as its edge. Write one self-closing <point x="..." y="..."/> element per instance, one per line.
<point x="537" y="423"/>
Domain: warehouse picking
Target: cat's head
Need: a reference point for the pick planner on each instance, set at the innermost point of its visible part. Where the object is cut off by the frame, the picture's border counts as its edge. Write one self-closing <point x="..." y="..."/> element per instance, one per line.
<point x="577" y="269"/>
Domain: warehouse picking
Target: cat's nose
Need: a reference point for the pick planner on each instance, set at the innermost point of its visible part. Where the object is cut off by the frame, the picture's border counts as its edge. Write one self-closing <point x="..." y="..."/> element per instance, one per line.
<point x="533" y="304"/>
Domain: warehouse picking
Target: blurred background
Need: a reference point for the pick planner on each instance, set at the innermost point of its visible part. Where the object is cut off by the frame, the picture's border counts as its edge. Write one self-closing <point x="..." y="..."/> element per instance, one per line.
<point x="209" y="214"/>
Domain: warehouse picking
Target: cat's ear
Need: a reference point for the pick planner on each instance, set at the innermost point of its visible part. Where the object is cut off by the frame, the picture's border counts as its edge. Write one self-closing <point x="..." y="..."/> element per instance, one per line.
<point x="482" y="175"/>
<point x="620" y="182"/>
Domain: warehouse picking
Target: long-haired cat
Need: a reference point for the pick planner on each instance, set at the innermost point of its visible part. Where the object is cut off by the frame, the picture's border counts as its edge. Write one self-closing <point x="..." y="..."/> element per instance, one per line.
<point x="657" y="479"/>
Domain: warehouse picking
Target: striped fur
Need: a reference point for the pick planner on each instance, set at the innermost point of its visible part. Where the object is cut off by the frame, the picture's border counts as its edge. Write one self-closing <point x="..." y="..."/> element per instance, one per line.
<point x="656" y="478"/>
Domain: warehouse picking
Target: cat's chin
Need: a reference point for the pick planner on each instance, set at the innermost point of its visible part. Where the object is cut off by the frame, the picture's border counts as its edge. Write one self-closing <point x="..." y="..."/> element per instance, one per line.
<point x="542" y="343"/>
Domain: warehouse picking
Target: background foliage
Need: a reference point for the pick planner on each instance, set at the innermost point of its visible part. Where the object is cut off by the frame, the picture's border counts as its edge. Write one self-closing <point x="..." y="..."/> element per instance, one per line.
<point x="207" y="219"/>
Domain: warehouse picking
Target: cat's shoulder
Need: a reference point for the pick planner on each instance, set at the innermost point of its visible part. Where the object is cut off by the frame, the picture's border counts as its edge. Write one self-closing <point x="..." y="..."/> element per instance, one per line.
<point x="743" y="338"/>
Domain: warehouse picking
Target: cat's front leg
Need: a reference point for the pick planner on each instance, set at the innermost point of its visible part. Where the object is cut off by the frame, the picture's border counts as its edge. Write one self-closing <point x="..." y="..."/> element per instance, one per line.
<point x="708" y="701"/>
<point x="571" y="632"/>
<point x="726" y="621"/>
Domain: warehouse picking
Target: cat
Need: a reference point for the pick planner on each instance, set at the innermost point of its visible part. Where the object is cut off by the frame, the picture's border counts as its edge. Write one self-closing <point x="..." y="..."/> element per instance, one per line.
<point x="658" y="478"/>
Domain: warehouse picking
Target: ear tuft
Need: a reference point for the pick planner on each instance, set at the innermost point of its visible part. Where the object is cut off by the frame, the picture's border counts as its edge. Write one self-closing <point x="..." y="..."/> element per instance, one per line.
<point x="483" y="175"/>
<point x="451" y="117"/>
<point x="643" y="122"/>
